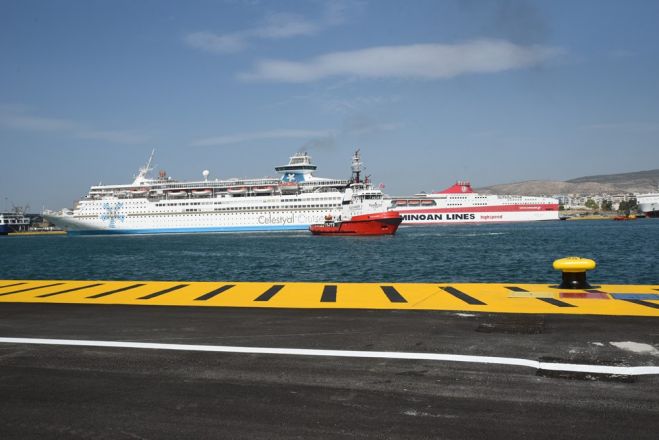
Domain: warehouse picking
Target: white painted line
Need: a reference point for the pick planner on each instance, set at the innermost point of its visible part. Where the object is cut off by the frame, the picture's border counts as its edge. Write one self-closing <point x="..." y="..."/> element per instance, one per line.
<point x="550" y="366"/>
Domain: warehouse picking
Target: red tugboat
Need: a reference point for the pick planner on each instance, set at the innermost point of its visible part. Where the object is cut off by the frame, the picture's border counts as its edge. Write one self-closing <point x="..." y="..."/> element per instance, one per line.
<point x="380" y="223"/>
<point x="364" y="211"/>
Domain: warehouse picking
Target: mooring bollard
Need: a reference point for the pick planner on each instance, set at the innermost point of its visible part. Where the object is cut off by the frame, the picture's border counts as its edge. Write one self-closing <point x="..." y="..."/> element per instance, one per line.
<point x="574" y="272"/>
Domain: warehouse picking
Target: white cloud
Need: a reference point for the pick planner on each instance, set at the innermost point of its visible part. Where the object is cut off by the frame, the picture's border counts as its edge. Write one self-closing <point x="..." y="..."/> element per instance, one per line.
<point x="18" y="119"/>
<point x="211" y="42"/>
<point x="284" y="25"/>
<point x="357" y="103"/>
<point x="261" y="135"/>
<point x="423" y="61"/>
<point x="35" y="123"/>
<point x="621" y="53"/>
<point x="354" y="126"/>
<point x="273" y="26"/>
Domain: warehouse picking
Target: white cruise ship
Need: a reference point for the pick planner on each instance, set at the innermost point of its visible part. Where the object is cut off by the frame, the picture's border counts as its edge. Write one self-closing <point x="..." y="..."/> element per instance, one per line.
<point x="163" y="205"/>
<point x="460" y="204"/>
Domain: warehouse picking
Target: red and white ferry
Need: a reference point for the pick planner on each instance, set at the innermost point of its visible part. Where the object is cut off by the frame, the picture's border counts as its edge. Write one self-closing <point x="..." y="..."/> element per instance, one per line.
<point x="460" y="204"/>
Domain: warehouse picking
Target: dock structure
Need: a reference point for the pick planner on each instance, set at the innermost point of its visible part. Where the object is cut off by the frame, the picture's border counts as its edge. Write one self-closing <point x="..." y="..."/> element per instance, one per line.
<point x="616" y="300"/>
<point x="228" y="359"/>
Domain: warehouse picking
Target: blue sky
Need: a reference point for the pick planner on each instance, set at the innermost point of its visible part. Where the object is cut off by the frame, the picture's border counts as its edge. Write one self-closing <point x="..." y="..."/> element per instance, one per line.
<point x="431" y="91"/>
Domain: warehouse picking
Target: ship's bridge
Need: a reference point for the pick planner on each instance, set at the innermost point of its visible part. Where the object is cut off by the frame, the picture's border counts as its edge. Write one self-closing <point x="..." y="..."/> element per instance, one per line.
<point x="299" y="169"/>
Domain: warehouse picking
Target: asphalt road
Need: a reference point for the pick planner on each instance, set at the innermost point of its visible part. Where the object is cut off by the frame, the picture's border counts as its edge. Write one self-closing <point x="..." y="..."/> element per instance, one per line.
<point x="115" y="393"/>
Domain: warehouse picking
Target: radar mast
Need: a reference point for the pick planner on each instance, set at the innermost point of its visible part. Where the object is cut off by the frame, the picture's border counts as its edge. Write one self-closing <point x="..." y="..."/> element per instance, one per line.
<point x="141" y="177"/>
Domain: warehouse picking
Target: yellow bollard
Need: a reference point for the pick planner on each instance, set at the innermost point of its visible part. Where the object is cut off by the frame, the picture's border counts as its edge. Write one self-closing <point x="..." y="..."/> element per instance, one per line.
<point x="574" y="272"/>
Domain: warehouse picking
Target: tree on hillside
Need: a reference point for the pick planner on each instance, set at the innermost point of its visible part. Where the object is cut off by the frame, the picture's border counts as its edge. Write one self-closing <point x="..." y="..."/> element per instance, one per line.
<point x="607" y="205"/>
<point x="628" y="205"/>
<point x="591" y="204"/>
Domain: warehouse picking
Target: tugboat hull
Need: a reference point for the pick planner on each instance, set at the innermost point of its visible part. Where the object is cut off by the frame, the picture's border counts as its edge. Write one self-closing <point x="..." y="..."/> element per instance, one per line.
<point x="383" y="223"/>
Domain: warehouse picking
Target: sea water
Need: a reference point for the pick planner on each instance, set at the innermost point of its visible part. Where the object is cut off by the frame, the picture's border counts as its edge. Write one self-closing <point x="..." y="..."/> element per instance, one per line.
<point x="625" y="252"/>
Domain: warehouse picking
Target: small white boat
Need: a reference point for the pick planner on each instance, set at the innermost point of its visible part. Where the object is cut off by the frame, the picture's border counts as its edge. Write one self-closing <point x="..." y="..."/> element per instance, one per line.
<point x="177" y="193"/>
<point x="138" y="192"/>
<point x="237" y="190"/>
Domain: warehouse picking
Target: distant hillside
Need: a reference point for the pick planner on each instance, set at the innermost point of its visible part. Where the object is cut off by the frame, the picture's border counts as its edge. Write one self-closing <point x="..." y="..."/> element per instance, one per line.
<point x="640" y="181"/>
<point x="636" y="182"/>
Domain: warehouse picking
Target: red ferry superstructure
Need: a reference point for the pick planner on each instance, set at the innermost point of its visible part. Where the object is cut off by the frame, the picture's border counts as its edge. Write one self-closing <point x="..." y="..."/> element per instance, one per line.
<point x="460" y="204"/>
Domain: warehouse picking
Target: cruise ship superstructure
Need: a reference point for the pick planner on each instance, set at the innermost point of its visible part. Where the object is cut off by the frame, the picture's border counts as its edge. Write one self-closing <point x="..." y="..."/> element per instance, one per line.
<point x="460" y="204"/>
<point x="293" y="201"/>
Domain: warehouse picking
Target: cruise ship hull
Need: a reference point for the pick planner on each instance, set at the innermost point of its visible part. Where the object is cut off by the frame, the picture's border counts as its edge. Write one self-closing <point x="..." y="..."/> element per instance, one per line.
<point x="185" y="230"/>
<point x="145" y="221"/>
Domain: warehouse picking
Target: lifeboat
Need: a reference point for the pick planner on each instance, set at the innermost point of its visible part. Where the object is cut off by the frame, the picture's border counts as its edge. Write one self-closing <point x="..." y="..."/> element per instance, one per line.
<point x="381" y="223"/>
<point x="177" y="193"/>
<point x="414" y="202"/>
<point x="139" y="192"/>
<point x="202" y="192"/>
<point x="263" y="189"/>
<point x="237" y="190"/>
<point x="400" y="202"/>
<point x="288" y="187"/>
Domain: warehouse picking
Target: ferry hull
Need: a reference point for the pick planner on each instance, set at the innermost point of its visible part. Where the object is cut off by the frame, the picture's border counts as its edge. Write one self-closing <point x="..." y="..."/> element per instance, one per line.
<point x="7" y="228"/>
<point x="420" y="217"/>
<point x="460" y="204"/>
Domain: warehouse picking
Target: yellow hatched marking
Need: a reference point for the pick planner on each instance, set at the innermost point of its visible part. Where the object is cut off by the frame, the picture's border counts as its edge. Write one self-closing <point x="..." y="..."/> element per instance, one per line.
<point x="32" y="290"/>
<point x="9" y="286"/>
<point x="538" y="298"/>
<point x="132" y="296"/>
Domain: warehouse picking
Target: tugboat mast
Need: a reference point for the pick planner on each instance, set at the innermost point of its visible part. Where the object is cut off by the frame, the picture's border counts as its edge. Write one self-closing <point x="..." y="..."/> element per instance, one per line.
<point x="356" y="166"/>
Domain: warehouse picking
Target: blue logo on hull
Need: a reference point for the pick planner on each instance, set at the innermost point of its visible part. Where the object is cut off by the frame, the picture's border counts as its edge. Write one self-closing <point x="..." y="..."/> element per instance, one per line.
<point x="112" y="214"/>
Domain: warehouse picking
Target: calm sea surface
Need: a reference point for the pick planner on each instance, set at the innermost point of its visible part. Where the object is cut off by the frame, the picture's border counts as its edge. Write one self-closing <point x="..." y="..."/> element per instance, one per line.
<point x="626" y="252"/>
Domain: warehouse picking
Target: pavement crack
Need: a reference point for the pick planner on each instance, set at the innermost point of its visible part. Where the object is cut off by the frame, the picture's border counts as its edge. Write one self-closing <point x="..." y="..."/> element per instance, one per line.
<point x="425" y="299"/>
